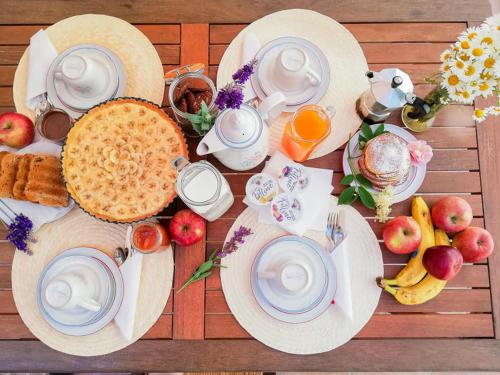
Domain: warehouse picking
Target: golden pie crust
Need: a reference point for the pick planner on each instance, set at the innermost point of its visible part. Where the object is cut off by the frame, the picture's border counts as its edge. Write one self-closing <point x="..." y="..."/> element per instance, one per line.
<point x="117" y="160"/>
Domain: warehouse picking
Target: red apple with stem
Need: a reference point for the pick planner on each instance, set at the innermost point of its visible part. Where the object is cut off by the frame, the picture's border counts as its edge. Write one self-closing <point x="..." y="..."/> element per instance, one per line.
<point x="186" y="227"/>
<point x="402" y="235"/>
<point x="16" y="130"/>
<point x="474" y="243"/>
<point x="451" y="214"/>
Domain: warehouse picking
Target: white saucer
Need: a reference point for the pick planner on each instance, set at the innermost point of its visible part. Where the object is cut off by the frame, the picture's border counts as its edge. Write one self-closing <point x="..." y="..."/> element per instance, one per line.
<point x="406" y="188"/>
<point x="264" y="85"/>
<point x="111" y="301"/>
<point x="303" y="305"/>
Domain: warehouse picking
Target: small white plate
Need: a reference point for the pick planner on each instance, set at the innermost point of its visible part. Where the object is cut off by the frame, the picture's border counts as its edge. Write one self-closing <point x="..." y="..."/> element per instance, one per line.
<point x="415" y="178"/>
<point x="107" y="314"/>
<point x="262" y="80"/>
<point x="301" y="306"/>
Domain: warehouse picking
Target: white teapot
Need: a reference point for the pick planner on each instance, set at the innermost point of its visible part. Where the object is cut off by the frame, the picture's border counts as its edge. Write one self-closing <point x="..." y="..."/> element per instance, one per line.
<point x="240" y="137"/>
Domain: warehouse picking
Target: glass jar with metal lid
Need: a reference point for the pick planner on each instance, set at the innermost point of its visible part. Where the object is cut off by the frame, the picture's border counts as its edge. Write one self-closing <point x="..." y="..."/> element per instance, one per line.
<point x="188" y="87"/>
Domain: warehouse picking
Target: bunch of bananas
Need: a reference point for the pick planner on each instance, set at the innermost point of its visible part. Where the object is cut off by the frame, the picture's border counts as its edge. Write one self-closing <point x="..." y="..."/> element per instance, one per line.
<point x="415" y="285"/>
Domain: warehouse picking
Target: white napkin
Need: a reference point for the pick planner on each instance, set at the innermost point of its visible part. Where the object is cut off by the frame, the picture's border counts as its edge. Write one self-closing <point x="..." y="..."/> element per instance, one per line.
<point x="319" y="190"/>
<point x="131" y="271"/>
<point x="340" y="257"/>
<point x="38" y="213"/>
<point x="41" y="54"/>
<point x="251" y="46"/>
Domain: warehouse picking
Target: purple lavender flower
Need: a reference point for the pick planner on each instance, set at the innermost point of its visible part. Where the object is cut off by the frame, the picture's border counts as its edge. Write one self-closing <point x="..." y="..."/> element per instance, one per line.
<point x="20" y="232"/>
<point x="231" y="96"/>
<point x="243" y="74"/>
<point x="235" y="241"/>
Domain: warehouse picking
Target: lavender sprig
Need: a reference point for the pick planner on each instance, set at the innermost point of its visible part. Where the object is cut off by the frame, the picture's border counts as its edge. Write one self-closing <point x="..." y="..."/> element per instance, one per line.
<point x="231" y="95"/>
<point x="214" y="260"/>
<point x="20" y="233"/>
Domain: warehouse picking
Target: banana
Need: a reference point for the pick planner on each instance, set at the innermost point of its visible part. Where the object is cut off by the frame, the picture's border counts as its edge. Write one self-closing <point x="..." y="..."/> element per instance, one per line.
<point x="426" y="289"/>
<point x="414" y="271"/>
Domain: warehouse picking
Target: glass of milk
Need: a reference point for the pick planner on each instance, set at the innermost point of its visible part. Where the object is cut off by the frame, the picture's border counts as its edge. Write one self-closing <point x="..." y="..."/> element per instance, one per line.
<point x="203" y="188"/>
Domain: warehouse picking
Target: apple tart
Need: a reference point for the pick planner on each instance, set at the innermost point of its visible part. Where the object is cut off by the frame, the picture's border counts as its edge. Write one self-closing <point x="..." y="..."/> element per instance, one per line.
<point x="117" y="160"/>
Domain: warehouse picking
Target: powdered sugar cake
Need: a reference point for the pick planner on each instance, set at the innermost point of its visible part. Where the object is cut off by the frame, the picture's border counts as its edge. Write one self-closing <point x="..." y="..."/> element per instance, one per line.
<point x="117" y="160"/>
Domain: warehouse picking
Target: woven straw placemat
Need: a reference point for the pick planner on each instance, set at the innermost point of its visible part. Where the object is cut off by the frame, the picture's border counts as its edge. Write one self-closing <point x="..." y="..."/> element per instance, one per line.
<point x="347" y="68"/>
<point x="77" y="229"/>
<point x="142" y="64"/>
<point x="332" y="328"/>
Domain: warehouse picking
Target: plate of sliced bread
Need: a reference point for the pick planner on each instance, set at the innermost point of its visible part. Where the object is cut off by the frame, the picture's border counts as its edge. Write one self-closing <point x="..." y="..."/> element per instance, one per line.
<point x="31" y="183"/>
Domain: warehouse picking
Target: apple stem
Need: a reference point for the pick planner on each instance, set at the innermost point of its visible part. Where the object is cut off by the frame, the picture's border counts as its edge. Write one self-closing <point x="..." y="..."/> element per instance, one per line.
<point x="7" y="125"/>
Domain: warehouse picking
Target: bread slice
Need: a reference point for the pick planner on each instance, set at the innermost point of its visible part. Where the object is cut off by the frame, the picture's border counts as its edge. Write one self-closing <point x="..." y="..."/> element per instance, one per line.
<point x="8" y="172"/>
<point x="23" y="169"/>
<point x="45" y="184"/>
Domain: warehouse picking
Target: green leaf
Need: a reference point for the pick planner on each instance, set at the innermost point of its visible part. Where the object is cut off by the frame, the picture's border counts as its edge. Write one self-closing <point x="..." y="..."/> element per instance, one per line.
<point x="361" y="138"/>
<point x="366" y="198"/>
<point x="348" y="195"/>
<point x="363" y="181"/>
<point x="366" y="130"/>
<point x="347" y="180"/>
<point x="380" y="129"/>
<point x="194" y="119"/>
<point x="204" y="108"/>
<point x="205" y="267"/>
<point x="205" y="126"/>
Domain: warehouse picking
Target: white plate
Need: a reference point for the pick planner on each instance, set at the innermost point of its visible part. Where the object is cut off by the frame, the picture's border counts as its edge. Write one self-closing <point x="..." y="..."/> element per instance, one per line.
<point x="262" y="80"/>
<point x="298" y="308"/>
<point x="415" y="178"/>
<point x="38" y="213"/>
<point x="108" y="316"/>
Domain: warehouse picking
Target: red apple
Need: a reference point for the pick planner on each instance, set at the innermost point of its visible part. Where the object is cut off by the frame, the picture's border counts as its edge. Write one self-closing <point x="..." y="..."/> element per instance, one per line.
<point x="186" y="227"/>
<point x="16" y="130"/>
<point x="474" y="243"/>
<point x="443" y="262"/>
<point x="451" y="214"/>
<point x="402" y="235"/>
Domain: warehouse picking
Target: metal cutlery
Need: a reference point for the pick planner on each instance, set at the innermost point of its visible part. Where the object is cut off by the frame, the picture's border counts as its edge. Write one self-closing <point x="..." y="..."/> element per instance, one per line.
<point x="334" y="231"/>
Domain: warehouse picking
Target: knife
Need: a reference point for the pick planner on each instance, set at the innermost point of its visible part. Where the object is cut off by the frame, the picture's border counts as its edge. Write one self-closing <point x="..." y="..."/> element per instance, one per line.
<point x="251" y="46"/>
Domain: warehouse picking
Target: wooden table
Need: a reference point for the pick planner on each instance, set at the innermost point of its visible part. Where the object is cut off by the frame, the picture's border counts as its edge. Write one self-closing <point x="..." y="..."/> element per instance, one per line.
<point x="459" y="330"/>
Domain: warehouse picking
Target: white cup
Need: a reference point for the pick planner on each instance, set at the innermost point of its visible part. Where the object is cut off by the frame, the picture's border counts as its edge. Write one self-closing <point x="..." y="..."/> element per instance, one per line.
<point x="82" y="73"/>
<point x="292" y="70"/>
<point x="293" y="277"/>
<point x="68" y="291"/>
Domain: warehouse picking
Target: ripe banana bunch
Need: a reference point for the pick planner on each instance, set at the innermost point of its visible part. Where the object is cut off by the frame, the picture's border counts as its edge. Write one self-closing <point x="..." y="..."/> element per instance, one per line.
<point x="415" y="285"/>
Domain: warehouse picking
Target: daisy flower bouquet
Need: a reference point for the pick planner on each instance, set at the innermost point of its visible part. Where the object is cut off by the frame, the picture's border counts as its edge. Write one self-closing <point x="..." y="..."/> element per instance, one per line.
<point x="470" y="68"/>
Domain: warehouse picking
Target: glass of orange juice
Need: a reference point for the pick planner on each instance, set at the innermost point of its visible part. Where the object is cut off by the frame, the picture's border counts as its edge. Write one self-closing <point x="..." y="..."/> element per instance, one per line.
<point x="305" y="130"/>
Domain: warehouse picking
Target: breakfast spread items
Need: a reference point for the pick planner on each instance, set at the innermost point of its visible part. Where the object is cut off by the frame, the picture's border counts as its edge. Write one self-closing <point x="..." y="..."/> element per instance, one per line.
<point x="54" y="125"/>
<point x="203" y="188"/>
<point x="33" y="178"/>
<point x="385" y="160"/>
<point x="187" y="228"/>
<point x="188" y="88"/>
<point x="294" y="178"/>
<point x="16" y="130"/>
<point x="305" y="130"/>
<point x="294" y="66"/>
<point x="240" y="137"/>
<point x="402" y="235"/>
<point x="261" y="188"/>
<point x="451" y="214"/>
<point x="83" y="76"/>
<point x="117" y="160"/>
<point x="149" y="237"/>
<point x="287" y="209"/>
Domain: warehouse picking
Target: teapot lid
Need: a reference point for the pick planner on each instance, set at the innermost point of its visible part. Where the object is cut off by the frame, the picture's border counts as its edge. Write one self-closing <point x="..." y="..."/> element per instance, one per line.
<point x="239" y="128"/>
<point x="391" y="87"/>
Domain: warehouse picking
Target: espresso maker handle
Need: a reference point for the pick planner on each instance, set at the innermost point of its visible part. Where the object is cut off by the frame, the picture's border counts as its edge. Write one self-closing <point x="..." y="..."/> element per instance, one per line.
<point x="421" y="108"/>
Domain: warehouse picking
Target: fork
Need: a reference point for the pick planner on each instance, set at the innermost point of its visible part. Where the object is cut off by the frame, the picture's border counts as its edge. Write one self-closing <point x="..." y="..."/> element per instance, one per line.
<point x="334" y="232"/>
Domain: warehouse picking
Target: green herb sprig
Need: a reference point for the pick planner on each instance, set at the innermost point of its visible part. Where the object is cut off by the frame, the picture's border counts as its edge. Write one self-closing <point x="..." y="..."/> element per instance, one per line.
<point x="203" y="121"/>
<point x="367" y="133"/>
<point x="204" y="270"/>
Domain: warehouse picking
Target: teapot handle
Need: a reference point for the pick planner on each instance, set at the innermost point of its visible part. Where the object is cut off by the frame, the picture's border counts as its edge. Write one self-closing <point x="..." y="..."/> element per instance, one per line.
<point x="271" y="107"/>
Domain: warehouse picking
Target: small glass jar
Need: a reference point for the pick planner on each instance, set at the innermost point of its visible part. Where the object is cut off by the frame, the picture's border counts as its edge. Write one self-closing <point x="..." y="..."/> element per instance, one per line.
<point x="148" y="237"/>
<point x="189" y="77"/>
<point x="203" y="188"/>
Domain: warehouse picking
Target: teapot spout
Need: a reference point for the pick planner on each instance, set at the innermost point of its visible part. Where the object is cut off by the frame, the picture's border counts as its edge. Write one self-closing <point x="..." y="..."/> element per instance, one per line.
<point x="210" y="143"/>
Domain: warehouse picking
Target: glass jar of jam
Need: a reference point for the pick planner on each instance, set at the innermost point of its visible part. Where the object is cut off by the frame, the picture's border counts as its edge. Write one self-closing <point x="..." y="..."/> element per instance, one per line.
<point x="149" y="237"/>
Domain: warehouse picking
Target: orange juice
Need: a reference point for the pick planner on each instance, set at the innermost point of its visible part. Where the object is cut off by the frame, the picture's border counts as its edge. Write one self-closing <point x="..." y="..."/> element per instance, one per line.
<point x="307" y="128"/>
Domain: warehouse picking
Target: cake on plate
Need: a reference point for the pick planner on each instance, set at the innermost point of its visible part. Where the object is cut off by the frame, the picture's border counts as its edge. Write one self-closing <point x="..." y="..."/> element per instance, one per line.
<point x="117" y="160"/>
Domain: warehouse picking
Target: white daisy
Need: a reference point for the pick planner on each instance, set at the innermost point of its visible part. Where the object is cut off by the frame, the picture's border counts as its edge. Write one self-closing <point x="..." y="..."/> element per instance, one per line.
<point x="479" y="48"/>
<point x="450" y="80"/>
<point x="493" y="110"/>
<point x="480" y="114"/>
<point x="471" y="71"/>
<point x="486" y="87"/>
<point x="445" y="55"/>
<point x="492" y="22"/>
<point x="470" y="34"/>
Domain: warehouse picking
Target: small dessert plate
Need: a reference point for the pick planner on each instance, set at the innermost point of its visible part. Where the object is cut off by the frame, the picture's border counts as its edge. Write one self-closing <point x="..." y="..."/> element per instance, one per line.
<point x="109" y="290"/>
<point x="311" y="88"/>
<point x="293" y="279"/>
<point x="406" y="188"/>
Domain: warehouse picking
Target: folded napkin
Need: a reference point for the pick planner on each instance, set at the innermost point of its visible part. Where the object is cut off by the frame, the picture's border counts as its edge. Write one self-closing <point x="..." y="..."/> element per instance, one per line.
<point x="41" y="54"/>
<point x="340" y="257"/>
<point x="315" y="210"/>
<point x="251" y="46"/>
<point x="131" y="271"/>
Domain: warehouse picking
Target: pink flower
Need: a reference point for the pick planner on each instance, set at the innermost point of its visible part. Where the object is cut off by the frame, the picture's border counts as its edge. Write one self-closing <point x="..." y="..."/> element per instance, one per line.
<point x="420" y="152"/>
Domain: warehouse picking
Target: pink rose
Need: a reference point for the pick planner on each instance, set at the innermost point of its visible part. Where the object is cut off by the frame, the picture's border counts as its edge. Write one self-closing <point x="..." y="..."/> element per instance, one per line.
<point x="420" y="152"/>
